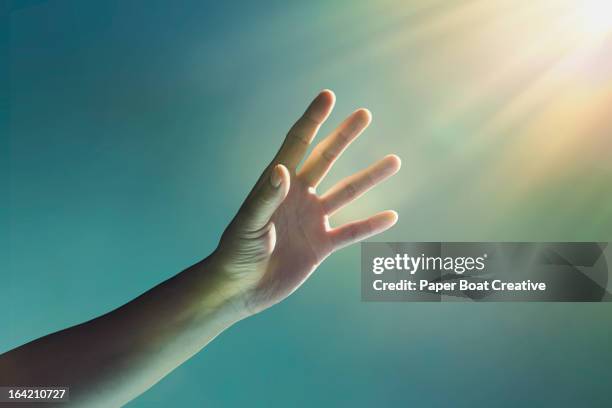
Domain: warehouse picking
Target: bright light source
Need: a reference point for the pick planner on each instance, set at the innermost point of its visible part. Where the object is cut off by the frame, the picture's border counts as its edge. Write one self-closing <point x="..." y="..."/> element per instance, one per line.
<point x="595" y="16"/>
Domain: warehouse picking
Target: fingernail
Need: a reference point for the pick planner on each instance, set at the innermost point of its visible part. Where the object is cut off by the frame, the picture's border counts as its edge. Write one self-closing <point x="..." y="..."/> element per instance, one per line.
<point x="276" y="178"/>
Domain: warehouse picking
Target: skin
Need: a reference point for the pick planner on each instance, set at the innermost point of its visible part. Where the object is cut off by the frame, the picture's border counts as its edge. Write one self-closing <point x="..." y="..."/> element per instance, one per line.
<point x="276" y="240"/>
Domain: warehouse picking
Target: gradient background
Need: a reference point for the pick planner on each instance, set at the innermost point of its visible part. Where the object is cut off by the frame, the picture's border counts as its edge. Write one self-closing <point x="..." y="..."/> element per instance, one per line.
<point x="132" y="130"/>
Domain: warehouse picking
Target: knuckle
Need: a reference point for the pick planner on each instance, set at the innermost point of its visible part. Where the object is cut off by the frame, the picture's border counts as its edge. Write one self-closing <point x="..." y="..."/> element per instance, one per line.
<point x="344" y="137"/>
<point x="266" y="199"/>
<point x="353" y="233"/>
<point x="308" y="120"/>
<point x="329" y="156"/>
<point x="298" y="137"/>
<point x="350" y="190"/>
<point x="368" y="180"/>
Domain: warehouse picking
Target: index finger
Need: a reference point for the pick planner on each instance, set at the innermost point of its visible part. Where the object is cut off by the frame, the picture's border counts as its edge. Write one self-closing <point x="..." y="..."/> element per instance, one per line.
<point x="304" y="130"/>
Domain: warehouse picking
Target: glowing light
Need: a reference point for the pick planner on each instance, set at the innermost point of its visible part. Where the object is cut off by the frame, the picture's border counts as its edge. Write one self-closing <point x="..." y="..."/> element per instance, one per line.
<point x="595" y="16"/>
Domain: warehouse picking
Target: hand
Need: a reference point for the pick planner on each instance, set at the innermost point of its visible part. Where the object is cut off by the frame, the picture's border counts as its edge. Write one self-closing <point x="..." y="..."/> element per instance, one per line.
<point x="279" y="236"/>
<point x="281" y="233"/>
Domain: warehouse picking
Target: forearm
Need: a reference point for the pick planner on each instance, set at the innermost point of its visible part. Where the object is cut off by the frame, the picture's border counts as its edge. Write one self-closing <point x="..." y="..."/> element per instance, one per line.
<point x="111" y="359"/>
<point x="279" y="236"/>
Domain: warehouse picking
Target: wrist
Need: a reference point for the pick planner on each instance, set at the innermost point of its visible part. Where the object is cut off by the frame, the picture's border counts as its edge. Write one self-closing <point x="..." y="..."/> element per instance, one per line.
<point x="220" y="291"/>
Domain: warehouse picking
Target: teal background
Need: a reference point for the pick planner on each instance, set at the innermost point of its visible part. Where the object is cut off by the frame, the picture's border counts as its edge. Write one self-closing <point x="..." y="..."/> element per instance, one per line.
<point x="133" y="130"/>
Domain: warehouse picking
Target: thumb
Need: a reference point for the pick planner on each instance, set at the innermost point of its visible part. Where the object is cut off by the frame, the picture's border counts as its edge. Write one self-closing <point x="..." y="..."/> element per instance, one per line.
<point x="270" y="194"/>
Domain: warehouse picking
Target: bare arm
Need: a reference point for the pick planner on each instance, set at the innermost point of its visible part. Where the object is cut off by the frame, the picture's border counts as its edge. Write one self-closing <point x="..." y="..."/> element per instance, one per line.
<point x="278" y="238"/>
<point x="112" y="359"/>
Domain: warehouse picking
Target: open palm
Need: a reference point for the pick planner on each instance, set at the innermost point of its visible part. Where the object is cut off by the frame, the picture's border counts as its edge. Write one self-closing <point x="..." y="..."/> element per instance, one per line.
<point x="281" y="232"/>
